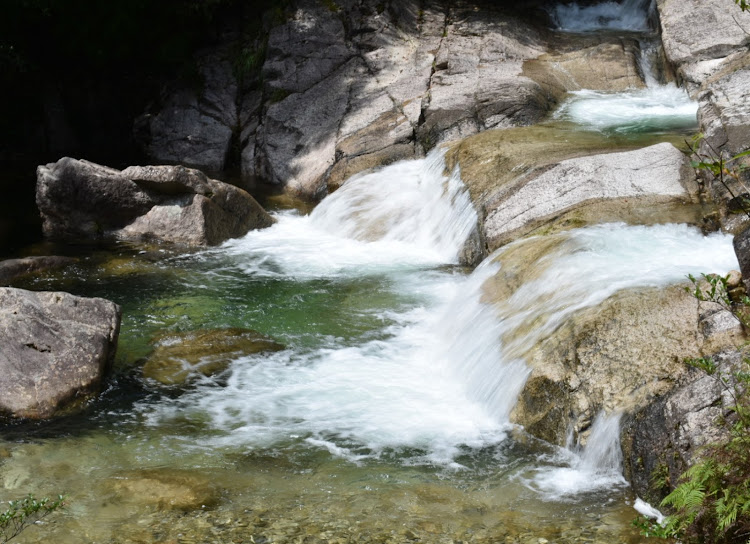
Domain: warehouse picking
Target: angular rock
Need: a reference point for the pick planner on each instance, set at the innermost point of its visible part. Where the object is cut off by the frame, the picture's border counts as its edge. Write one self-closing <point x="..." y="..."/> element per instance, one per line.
<point x="706" y="41"/>
<point x="82" y="200"/>
<point x="14" y="269"/>
<point x="617" y="355"/>
<point x="179" y="357"/>
<point x="56" y="350"/>
<point x="664" y="438"/>
<point x="519" y="182"/>
<point x="724" y="113"/>
<point x="701" y="30"/>
<point x="574" y="62"/>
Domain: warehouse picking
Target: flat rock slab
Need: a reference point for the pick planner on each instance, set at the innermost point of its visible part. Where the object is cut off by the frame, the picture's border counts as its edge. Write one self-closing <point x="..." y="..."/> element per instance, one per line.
<point x="56" y="349"/>
<point x="659" y="172"/>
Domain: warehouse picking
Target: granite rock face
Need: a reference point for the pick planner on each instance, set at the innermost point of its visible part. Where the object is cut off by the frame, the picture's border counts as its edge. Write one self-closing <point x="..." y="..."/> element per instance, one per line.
<point x="707" y="43"/>
<point x="666" y="436"/>
<point x="368" y="83"/>
<point x="56" y="350"/>
<point x="82" y="200"/>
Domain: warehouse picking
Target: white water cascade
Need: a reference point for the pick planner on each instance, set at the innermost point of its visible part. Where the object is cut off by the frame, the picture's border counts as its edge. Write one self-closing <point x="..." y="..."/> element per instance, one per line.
<point x="445" y="369"/>
<point x="655" y="108"/>
<point x="629" y="15"/>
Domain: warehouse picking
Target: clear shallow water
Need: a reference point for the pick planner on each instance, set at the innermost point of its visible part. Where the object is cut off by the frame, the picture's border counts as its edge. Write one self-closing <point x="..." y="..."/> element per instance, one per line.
<point x="385" y="419"/>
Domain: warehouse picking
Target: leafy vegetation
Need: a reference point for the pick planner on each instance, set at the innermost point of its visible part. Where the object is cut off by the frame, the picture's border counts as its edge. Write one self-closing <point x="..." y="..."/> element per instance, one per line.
<point x="727" y="170"/>
<point x="24" y="512"/>
<point x="711" y="503"/>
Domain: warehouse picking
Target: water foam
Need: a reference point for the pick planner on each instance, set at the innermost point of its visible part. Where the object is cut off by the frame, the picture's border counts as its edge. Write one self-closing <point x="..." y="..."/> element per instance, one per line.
<point x="658" y="108"/>
<point x="406" y="215"/>
<point x="597" y="466"/>
<point x="630" y="15"/>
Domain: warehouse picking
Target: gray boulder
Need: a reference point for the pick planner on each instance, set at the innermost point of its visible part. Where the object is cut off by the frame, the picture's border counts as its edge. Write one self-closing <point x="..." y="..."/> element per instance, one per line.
<point x="82" y="200"/>
<point x="526" y="179"/>
<point x="661" y="440"/>
<point x="56" y="350"/>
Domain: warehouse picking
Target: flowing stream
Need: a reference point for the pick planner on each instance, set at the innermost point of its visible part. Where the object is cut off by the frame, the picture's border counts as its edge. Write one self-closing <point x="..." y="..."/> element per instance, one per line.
<point x="386" y="416"/>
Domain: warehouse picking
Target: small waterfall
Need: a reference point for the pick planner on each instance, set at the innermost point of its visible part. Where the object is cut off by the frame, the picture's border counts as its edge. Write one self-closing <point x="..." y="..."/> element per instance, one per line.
<point x="629" y="15"/>
<point x="656" y="108"/>
<point x="404" y="215"/>
<point x="596" y="466"/>
<point x="410" y="202"/>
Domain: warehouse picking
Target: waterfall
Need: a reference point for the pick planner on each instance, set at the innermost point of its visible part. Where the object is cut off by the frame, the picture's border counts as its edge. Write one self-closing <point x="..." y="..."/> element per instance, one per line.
<point x="404" y="215"/>
<point x="596" y="466"/>
<point x="655" y="108"/>
<point x="410" y="202"/>
<point x="629" y="15"/>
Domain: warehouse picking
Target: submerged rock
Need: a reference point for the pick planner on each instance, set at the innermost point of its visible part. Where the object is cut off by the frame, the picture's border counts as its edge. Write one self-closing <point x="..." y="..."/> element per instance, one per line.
<point x="14" y="269"/>
<point x="82" y="200"/>
<point x="56" y="349"/>
<point x="522" y="180"/>
<point x="179" y="357"/>
<point x="166" y="489"/>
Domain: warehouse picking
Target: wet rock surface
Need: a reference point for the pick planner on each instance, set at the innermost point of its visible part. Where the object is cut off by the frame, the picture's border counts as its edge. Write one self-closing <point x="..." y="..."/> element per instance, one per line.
<point x="56" y="350"/>
<point x="522" y="181"/>
<point x="180" y="357"/>
<point x="81" y="200"/>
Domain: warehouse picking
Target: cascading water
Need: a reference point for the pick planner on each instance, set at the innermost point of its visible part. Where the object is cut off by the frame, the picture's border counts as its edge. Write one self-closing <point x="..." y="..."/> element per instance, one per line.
<point x="630" y="15"/>
<point x="386" y="418"/>
<point x="659" y="107"/>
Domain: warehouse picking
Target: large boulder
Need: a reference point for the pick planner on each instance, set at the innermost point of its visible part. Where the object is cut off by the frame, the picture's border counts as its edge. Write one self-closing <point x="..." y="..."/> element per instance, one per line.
<point x="522" y="179"/>
<point x="56" y="349"/>
<point x="82" y="200"/>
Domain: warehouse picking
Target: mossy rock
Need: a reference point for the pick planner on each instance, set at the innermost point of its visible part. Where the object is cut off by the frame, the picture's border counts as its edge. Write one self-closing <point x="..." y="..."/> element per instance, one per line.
<point x="180" y="356"/>
<point x="166" y="489"/>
